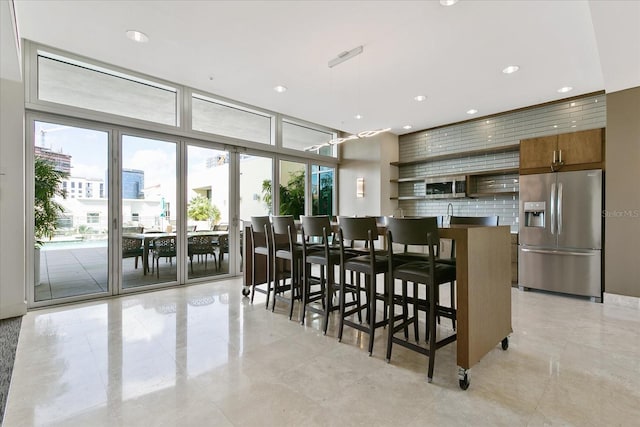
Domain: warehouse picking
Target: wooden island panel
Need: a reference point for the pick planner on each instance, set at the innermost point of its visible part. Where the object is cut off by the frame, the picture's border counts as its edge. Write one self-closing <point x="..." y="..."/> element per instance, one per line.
<point x="483" y="285"/>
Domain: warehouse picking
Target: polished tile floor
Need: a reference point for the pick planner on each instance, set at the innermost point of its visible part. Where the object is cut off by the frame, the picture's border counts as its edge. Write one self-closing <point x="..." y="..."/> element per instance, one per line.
<point x="202" y="355"/>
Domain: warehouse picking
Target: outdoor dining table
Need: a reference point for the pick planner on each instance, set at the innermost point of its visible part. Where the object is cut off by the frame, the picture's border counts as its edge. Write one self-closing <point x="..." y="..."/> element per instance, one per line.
<point x="148" y="238"/>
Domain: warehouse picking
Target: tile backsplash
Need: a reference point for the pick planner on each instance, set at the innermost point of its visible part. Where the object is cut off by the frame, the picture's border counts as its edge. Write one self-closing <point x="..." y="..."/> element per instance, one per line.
<point x="490" y="132"/>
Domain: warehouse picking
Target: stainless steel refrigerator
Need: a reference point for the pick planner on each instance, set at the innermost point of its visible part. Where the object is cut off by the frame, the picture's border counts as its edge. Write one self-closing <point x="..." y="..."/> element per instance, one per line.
<point x="560" y="241"/>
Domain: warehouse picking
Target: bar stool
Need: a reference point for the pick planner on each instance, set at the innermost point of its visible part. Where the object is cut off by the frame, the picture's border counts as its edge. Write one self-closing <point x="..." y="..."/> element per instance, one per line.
<point x="260" y="245"/>
<point x="286" y="250"/>
<point x="327" y="257"/>
<point x="369" y="262"/>
<point x="422" y="232"/>
<point x="407" y="256"/>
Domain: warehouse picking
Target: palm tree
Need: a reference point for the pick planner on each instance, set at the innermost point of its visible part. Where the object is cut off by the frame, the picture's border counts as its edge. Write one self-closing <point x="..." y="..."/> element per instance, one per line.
<point x="291" y="196"/>
<point x="46" y="209"/>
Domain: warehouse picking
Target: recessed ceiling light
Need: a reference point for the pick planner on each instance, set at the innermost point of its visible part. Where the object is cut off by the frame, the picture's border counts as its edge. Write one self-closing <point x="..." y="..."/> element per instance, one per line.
<point x="573" y="104"/>
<point x="420" y="98"/>
<point x="472" y="111"/>
<point x="511" y="69"/>
<point x="358" y="116"/>
<point x="448" y="2"/>
<point x="407" y="127"/>
<point x="137" y="36"/>
<point x="280" y="88"/>
<point x="565" y="89"/>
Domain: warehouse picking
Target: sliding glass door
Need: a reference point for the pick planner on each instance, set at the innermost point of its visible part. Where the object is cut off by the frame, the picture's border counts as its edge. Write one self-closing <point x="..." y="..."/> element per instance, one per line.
<point x="208" y="208"/>
<point x="71" y="211"/>
<point x="292" y="188"/>
<point x="117" y="210"/>
<point x="149" y="214"/>
<point x="256" y="199"/>
<point x="322" y="190"/>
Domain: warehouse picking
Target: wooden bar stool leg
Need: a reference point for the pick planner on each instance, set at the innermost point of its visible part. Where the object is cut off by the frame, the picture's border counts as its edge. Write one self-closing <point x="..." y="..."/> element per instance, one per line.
<point x="432" y="329"/>
<point x="392" y="317"/>
<point x="343" y="277"/>
<point x="329" y="299"/>
<point x="305" y="291"/>
<point x="405" y="309"/>
<point x="372" y="310"/>
<point x="416" y="311"/>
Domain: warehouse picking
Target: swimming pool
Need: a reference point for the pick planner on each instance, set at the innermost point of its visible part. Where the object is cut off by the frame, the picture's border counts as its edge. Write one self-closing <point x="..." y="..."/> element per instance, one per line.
<point x="74" y="244"/>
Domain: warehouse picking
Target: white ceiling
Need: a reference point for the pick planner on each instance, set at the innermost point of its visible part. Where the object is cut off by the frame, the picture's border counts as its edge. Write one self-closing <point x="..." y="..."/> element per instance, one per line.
<point x="453" y="55"/>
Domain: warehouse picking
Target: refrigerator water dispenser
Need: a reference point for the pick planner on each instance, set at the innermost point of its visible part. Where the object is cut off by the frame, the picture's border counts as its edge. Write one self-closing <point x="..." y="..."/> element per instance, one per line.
<point x="534" y="213"/>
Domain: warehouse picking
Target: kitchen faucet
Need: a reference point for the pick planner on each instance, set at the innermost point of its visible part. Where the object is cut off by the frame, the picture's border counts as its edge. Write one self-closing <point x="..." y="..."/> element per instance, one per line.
<point x="449" y="215"/>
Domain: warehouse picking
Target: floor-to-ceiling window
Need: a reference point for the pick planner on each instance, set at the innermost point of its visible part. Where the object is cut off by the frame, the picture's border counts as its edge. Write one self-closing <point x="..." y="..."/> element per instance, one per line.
<point x="208" y="209"/>
<point x="149" y="211"/>
<point x="256" y="199"/>
<point x="256" y="174"/>
<point x="291" y="188"/>
<point x="152" y="170"/>
<point x="71" y="211"/>
<point x="322" y="190"/>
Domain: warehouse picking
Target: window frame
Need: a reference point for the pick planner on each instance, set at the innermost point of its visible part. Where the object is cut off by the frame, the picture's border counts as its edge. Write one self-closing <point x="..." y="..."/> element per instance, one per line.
<point x="308" y="154"/>
<point x="202" y="96"/>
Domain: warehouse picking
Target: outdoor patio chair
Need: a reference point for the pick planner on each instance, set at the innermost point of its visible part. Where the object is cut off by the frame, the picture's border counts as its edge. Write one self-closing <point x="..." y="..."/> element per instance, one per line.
<point x="132" y="248"/>
<point x="163" y="247"/>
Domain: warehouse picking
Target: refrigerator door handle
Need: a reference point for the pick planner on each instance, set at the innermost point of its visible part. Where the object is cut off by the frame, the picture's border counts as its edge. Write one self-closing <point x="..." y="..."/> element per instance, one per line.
<point x="559" y="208"/>
<point x="553" y="207"/>
<point x="556" y="252"/>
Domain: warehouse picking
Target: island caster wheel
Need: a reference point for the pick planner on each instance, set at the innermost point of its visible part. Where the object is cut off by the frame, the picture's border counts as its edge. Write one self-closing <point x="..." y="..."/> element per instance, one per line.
<point x="245" y="292"/>
<point x="505" y="343"/>
<point x="463" y="378"/>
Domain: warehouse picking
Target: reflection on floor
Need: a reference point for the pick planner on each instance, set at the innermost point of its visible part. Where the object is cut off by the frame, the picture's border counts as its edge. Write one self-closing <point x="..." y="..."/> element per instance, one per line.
<point x="203" y="355"/>
<point x="81" y="271"/>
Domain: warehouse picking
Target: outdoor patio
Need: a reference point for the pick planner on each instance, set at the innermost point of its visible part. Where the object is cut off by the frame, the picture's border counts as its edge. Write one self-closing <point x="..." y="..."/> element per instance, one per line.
<point x="81" y="270"/>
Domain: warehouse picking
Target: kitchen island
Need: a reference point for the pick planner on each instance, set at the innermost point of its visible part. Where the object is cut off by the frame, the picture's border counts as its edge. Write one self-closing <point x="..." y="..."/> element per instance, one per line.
<point x="483" y="289"/>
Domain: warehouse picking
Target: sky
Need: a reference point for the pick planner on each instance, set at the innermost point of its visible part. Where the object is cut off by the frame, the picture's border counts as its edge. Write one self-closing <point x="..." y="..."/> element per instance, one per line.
<point x="89" y="155"/>
<point x="157" y="158"/>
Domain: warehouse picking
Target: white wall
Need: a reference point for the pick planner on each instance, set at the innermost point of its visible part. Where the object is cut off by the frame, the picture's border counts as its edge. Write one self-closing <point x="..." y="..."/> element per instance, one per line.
<point x="12" y="202"/>
<point x="369" y="159"/>
<point x="11" y="64"/>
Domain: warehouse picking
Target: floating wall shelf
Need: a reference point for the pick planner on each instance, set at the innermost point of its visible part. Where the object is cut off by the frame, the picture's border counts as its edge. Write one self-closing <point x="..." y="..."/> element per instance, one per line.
<point x="459" y="155"/>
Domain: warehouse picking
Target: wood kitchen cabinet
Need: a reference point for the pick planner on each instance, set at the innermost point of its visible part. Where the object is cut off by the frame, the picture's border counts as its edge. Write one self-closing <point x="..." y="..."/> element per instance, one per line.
<point x="571" y="151"/>
<point x="581" y="147"/>
<point x="537" y="152"/>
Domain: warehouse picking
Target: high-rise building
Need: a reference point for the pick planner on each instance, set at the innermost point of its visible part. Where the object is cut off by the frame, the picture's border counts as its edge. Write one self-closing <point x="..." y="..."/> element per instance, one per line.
<point x="132" y="184"/>
<point x="61" y="161"/>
